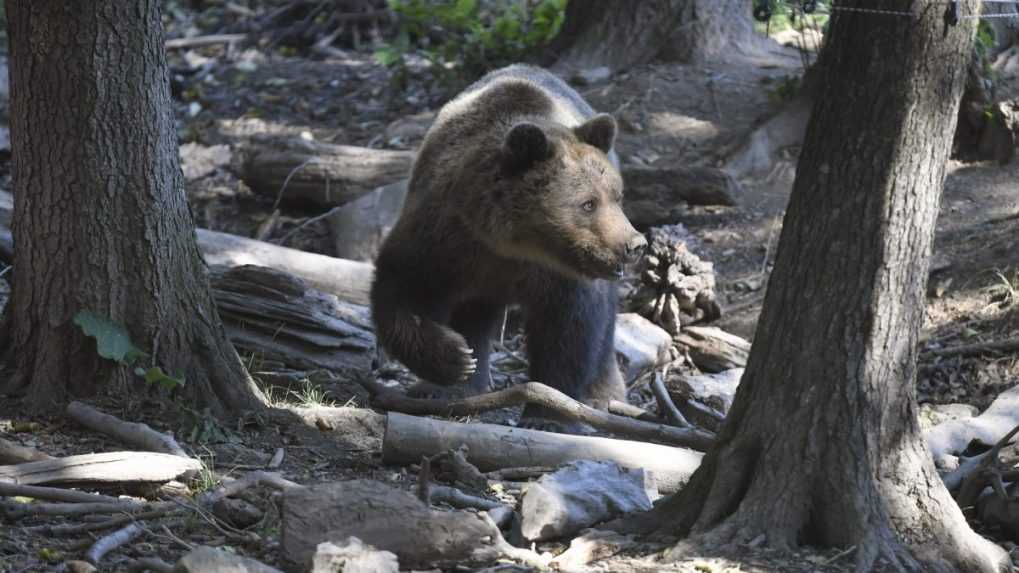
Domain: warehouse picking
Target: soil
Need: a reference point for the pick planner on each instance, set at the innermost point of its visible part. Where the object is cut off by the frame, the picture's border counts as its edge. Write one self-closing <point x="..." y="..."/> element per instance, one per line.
<point x="669" y="114"/>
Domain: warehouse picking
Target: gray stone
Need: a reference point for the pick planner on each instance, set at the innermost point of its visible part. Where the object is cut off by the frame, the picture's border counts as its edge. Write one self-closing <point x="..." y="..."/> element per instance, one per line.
<point x="591" y="76"/>
<point x="640" y="344"/>
<point x="359" y="227"/>
<point x="580" y="495"/>
<point x="209" y="560"/>
<point x="352" y="556"/>
<point x="715" y="390"/>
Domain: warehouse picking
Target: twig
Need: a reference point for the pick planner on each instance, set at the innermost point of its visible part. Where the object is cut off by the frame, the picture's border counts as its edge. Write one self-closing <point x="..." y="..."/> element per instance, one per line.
<point x="665" y="402"/>
<point x="108" y="543"/>
<point x="1010" y="345"/>
<point x="78" y="529"/>
<point x="234" y="487"/>
<point x="540" y="395"/>
<point x="130" y="433"/>
<point x="519" y="474"/>
<point x="282" y="241"/>
<point x="458" y="499"/>
<point x="630" y="411"/>
<point x="53" y="494"/>
<point x="199" y="41"/>
<point x="279" y="196"/>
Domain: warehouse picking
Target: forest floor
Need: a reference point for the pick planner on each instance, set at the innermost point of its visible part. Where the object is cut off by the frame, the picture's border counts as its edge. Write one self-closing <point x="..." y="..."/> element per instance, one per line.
<point x="669" y="114"/>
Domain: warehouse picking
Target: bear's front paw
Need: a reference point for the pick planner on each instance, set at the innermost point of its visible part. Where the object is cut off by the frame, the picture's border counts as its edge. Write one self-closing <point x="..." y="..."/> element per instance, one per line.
<point x="453" y="362"/>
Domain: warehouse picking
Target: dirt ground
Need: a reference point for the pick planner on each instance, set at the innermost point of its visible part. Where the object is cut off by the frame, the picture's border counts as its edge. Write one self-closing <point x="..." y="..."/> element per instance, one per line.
<point x="669" y="115"/>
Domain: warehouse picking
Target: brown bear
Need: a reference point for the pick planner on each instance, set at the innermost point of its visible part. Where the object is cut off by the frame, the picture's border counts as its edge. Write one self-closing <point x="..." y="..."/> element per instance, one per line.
<point x="514" y="199"/>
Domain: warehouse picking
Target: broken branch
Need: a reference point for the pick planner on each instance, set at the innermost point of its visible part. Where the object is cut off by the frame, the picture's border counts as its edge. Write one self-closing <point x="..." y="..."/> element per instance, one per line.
<point x="133" y="434"/>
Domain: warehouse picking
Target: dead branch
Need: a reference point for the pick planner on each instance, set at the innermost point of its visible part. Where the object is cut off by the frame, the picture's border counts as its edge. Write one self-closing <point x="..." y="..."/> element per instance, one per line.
<point x="109" y="467"/>
<point x="232" y="488"/>
<point x="519" y="474"/>
<point x="200" y="41"/>
<point x="11" y="453"/>
<point x="665" y="402"/>
<point x="630" y="411"/>
<point x="1000" y="346"/>
<point x="108" y="543"/>
<point x="540" y="395"/>
<point x="134" y="434"/>
<point x="981" y="476"/>
<point x="17" y="510"/>
<point x="72" y="530"/>
<point x="53" y="494"/>
<point x="495" y="447"/>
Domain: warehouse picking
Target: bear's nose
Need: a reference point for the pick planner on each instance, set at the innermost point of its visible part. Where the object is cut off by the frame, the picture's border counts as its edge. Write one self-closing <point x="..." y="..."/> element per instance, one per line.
<point x="635" y="247"/>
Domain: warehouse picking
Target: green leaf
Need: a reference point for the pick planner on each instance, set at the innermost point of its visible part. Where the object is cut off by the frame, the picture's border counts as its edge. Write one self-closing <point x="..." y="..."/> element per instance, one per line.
<point x="155" y="375"/>
<point x="112" y="340"/>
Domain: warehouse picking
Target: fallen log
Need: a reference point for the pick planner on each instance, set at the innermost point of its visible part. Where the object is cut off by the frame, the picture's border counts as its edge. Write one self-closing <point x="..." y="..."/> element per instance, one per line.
<point x="654" y="195"/>
<point x="110" y="467"/>
<point x="11" y="453"/>
<point x="133" y="434"/>
<point x="952" y="438"/>
<point x="53" y="494"/>
<point x="349" y="280"/>
<point x="492" y="447"/>
<point x="320" y="174"/>
<point x="712" y="349"/>
<point x="328" y="175"/>
<point x="279" y="317"/>
<point x="539" y="395"/>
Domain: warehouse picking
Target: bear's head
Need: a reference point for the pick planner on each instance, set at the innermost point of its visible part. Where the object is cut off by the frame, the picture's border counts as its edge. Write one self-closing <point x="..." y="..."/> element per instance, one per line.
<point x="564" y="195"/>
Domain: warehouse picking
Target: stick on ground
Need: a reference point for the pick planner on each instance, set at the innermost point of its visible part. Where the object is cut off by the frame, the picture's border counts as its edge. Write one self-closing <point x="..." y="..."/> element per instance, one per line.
<point x="108" y="543"/>
<point x="53" y="494"/>
<point x="134" y="434"/>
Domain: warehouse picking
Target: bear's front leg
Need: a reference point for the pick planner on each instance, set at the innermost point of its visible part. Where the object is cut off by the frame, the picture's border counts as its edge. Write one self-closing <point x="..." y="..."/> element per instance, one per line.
<point x="476" y="321"/>
<point x="413" y="335"/>
<point x="571" y="347"/>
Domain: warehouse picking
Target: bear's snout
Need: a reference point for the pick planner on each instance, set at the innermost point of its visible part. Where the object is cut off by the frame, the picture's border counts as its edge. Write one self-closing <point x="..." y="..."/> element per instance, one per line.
<point x="635" y="248"/>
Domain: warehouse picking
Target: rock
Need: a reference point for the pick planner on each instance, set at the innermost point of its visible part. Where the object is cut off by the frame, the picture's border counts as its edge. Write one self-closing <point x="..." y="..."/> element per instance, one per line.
<point x="409" y="130"/>
<point x="715" y="390"/>
<point x="640" y="344"/>
<point x="387" y="518"/>
<point x="352" y="556"/>
<point x="359" y="227"/>
<point x="590" y="76"/>
<point x="581" y="494"/>
<point x="237" y="512"/>
<point x="209" y="560"/>
<point x="933" y="414"/>
<point x="593" y="545"/>
<point x="79" y="567"/>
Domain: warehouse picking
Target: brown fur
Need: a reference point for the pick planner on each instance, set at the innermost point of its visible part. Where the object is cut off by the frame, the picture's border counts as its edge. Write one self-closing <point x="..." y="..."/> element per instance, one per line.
<point x="515" y="198"/>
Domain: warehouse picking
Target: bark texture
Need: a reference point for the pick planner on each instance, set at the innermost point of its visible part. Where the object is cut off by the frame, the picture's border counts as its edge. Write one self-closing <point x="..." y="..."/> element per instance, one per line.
<point x="101" y="222"/>
<point x="622" y="34"/>
<point x="822" y="445"/>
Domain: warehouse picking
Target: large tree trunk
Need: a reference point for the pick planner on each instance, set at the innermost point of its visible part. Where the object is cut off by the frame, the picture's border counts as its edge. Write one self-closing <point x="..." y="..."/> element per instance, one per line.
<point x="100" y="217"/>
<point x="822" y="444"/>
<point x="622" y="34"/>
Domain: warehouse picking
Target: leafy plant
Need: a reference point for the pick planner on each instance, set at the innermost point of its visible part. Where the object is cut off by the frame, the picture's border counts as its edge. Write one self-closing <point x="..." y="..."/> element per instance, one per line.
<point x="114" y="343"/>
<point x="464" y="38"/>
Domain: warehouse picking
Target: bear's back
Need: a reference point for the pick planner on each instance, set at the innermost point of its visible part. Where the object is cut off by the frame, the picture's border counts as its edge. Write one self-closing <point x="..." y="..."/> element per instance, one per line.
<point x="481" y="115"/>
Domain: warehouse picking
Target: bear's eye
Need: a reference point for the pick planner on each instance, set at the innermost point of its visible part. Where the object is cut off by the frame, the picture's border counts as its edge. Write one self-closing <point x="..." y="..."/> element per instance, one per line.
<point x="589" y="206"/>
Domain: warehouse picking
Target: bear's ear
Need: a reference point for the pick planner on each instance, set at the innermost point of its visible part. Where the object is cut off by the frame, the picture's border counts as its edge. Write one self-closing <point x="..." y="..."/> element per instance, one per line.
<point x="525" y="145"/>
<point x="599" y="131"/>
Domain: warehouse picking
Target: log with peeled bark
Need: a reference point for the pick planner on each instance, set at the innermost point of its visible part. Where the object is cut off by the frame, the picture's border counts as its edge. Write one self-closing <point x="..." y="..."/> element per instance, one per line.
<point x="492" y="447"/>
<point x="330" y="175"/>
<point x="110" y="467"/>
<point x="281" y="318"/>
<point x="129" y="433"/>
<point x="320" y="174"/>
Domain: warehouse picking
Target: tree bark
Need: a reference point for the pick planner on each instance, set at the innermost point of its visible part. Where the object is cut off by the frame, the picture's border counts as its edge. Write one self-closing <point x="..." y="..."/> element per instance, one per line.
<point x="100" y="217"/>
<point x="822" y="444"/>
<point x="622" y="34"/>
